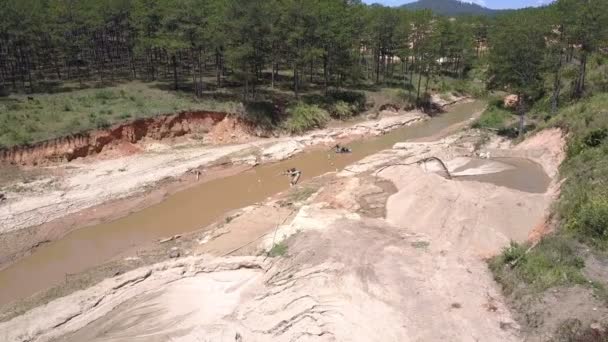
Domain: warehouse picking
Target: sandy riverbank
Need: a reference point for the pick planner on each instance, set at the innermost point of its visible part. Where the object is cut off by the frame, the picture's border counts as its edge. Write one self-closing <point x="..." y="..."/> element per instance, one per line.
<point x="91" y="191"/>
<point x="407" y="257"/>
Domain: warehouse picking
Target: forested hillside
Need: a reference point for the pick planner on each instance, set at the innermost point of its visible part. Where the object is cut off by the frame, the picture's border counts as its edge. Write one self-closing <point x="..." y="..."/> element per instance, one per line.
<point x="49" y="41"/>
<point x="230" y="50"/>
<point x="451" y="7"/>
<point x="207" y="53"/>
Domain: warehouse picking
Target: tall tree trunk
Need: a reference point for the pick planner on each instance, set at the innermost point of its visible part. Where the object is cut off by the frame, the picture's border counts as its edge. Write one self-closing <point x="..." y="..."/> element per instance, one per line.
<point x="272" y="74"/>
<point x="200" y="73"/>
<point x="404" y="71"/>
<point x="29" y="76"/>
<point x="557" y="85"/>
<point x="580" y="81"/>
<point x="295" y="81"/>
<point x="132" y="62"/>
<point x="378" y="66"/>
<point x="521" y="110"/>
<point x="325" y="74"/>
<point x="174" y="62"/>
<point x="311" y="69"/>
<point x="418" y="91"/>
<point x="218" y="68"/>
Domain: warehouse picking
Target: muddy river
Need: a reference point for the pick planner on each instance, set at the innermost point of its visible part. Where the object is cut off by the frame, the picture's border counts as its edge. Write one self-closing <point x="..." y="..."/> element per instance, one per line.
<point x="199" y="206"/>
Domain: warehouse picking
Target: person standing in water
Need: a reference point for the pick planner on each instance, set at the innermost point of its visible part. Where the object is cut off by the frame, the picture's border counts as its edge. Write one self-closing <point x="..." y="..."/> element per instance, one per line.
<point x="294" y="174"/>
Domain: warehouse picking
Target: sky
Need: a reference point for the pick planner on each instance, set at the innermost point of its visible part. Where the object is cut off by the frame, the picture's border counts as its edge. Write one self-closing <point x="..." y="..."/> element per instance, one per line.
<point x="495" y="4"/>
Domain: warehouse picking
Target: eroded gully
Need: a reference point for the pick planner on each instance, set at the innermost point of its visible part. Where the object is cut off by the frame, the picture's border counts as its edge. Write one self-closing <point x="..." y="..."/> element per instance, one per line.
<point x="194" y="209"/>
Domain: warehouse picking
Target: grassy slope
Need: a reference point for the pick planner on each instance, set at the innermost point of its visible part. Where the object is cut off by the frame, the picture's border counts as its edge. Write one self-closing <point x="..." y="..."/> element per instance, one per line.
<point x="582" y="208"/>
<point x="581" y="216"/>
<point x="23" y="120"/>
<point x="26" y="120"/>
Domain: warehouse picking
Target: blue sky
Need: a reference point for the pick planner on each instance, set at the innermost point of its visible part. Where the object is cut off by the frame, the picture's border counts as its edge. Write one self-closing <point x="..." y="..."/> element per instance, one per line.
<point x="496" y="4"/>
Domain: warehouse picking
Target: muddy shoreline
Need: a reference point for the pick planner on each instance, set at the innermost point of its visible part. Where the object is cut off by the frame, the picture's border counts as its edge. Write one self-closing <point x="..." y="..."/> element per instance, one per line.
<point x="439" y="251"/>
<point x="21" y="243"/>
<point x="115" y="209"/>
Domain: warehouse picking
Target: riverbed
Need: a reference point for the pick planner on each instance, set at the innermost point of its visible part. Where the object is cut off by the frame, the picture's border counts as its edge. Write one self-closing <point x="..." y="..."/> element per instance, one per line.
<point x="195" y="208"/>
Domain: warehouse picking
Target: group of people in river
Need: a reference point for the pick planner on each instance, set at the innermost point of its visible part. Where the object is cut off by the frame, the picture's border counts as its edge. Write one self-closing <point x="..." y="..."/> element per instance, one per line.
<point x="295" y="174"/>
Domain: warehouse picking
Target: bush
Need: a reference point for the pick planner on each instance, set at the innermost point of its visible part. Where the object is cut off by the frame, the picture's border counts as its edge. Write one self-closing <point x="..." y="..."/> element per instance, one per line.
<point x="595" y="137"/>
<point x="342" y="110"/>
<point x="303" y="117"/>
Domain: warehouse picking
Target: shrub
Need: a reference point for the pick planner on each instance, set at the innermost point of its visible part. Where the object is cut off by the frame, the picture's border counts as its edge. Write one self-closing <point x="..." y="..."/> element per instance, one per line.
<point x="303" y="117"/>
<point x="595" y="137"/>
<point x="342" y="110"/>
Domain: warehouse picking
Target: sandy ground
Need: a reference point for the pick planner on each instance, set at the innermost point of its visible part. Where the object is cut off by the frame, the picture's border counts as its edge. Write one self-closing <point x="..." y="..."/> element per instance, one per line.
<point x="88" y="183"/>
<point x="49" y="207"/>
<point x="365" y="261"/>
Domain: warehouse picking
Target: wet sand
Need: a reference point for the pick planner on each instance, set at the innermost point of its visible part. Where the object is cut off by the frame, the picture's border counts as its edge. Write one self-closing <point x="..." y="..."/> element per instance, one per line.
<point x="193" y="209"/>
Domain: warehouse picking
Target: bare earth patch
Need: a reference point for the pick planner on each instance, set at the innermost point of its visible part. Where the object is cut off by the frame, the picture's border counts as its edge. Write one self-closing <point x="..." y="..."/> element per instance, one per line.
<point x="371" y="256"/>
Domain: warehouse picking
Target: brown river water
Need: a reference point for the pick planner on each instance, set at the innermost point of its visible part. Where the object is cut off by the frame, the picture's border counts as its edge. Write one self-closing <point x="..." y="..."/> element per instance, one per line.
<point x="194" y="208"/>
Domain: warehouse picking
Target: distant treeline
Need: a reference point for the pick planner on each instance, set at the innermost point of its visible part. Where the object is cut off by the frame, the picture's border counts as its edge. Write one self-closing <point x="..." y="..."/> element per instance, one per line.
<point x="330" y="42"/>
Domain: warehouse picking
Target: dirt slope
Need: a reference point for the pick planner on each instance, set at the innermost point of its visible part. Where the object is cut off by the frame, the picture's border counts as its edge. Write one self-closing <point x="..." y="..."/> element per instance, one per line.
<point x="89" y="143"/>
<point x="415" y="275"/>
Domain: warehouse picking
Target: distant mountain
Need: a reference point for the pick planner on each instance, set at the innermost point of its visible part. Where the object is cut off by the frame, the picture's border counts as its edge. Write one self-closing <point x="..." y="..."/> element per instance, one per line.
<point x="451" y="7"/>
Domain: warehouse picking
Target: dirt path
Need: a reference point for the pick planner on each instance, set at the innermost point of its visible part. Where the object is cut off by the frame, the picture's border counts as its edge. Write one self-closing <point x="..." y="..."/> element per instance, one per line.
<point x="362" y="261"/>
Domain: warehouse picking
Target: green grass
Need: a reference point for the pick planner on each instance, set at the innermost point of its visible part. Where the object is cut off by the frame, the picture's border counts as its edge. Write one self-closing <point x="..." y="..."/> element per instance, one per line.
<point x="49" y="116"/>
<point x="582" y="208"/>
<point x="553" y="262"/>
<point x="583" y="204"/>
<point x="278" y="249"/>
<point x="471" y="87"/>
<point x="301" y="194"/>
<point x="494" y="118"/>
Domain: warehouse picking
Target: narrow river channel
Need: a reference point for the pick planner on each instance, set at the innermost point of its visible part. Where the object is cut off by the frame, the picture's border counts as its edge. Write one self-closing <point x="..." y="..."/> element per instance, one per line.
<point x="193" y="209"/>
